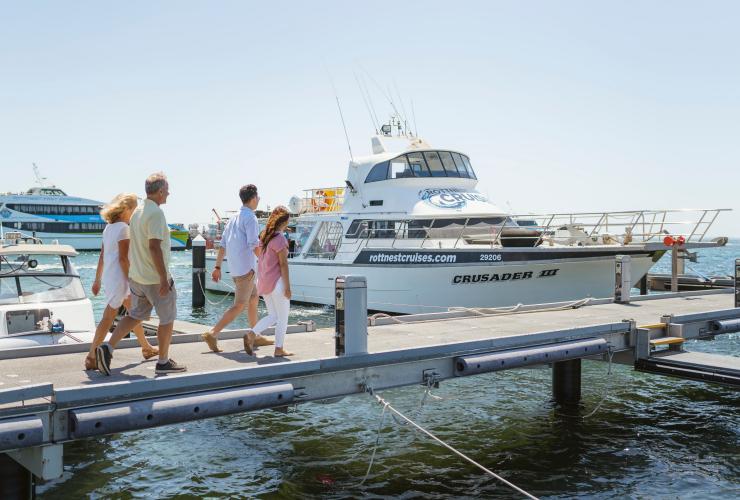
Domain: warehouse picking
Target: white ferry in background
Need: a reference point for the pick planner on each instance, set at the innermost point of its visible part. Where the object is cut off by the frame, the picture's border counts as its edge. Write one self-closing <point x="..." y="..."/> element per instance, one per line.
<point x="412" y="222"/>
<point x="46" y="212"/>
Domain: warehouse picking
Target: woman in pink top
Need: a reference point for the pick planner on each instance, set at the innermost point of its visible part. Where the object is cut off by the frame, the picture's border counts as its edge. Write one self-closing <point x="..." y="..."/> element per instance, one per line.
<point x="274" y="281"/>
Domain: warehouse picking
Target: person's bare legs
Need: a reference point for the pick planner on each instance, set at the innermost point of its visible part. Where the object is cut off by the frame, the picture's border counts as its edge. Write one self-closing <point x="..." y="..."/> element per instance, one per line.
<point x="109" y="315"/>
<point x="123" y="327"/>
<point x="230" y="315"/>
<point x="147" y="349"/>
<point x="164" y="336"/>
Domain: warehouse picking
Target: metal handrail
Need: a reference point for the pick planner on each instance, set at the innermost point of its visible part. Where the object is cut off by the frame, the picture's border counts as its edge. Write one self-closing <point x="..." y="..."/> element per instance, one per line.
<point x="653" y="224"/>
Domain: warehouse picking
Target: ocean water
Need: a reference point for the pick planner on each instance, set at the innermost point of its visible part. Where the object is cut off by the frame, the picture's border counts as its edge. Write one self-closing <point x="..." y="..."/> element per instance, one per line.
<point x="652" y="437"/>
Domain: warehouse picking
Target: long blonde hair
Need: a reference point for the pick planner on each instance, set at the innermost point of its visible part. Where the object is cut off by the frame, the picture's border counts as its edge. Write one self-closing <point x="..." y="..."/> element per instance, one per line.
<point x="112" y="211"/>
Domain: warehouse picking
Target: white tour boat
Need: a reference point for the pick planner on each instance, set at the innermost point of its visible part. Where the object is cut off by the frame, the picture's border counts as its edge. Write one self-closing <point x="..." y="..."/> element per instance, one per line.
<point x="42" y="301"/>
<point x="413" y="223"/>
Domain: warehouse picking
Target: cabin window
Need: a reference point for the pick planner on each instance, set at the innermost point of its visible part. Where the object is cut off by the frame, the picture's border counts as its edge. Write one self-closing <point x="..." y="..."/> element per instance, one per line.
<point x="426" y="164"/>
<point x="418" y="165"/>
<point x="449" y="164"/>
<point x="378" y="173"/>
<point x="460" y="164"/>
<point x="400" y="168"/>
<point x="468" y="166"/>
<point x="325" y="244"/>
<point x="435" y="164"/>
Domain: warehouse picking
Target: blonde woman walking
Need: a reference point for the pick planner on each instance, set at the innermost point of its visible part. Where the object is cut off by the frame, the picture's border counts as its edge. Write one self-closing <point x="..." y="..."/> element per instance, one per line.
<point x="274" y="282"/>
<point x="112" y="273"/>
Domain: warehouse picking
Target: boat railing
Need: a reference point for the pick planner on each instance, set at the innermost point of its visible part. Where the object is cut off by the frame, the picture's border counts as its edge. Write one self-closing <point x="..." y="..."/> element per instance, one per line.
<point x="588" y="228"/>
<point x="318" y="200"/>
<point x="638" y="226"/>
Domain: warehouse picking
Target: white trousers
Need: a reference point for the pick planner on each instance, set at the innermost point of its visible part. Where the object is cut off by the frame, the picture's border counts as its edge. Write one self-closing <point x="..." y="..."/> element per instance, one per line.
<point x="278" y="307"/>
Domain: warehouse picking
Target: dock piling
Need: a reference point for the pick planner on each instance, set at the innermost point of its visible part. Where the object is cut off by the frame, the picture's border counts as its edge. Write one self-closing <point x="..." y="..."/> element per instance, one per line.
<point x="566" y="381"/>
<point x="737" y="282"/>
<point x="16" y="482"/>
<point x="350" y="305"/>
<point x="199" y="271"/>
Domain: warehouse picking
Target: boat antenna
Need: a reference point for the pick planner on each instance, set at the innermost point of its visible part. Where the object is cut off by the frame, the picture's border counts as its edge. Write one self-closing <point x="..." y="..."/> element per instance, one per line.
<point x="370" y="100"/>
<point x="403" y="108"/>
<point x="341" y="116"/>
<point x="367" y="105"/>
<point x="37" y="173"/>
<point x="386" y="95"/>
<point x="413" y="115"/>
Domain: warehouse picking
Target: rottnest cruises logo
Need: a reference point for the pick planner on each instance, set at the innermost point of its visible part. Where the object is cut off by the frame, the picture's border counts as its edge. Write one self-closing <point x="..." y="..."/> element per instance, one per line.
<point x="449" y="198"/>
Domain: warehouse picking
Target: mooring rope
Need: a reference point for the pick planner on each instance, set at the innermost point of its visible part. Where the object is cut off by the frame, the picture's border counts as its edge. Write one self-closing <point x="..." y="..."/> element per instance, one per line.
<point x="607" y="387"/>
<point x="387" y="407"/>
<point x="214" y="303"/>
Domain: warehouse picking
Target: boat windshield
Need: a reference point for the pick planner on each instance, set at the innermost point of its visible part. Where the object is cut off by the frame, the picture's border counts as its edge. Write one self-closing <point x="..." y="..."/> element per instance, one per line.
<point x="424" y="164"/>
<point x="30" y="279"/>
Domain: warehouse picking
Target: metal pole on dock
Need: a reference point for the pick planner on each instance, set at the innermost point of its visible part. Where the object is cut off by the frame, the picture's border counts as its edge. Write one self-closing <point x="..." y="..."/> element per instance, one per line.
<point x="566" y="381"/>
<point x="16" y="482"/>
<point x="674" y="268"/>
<point x="350" y="310"/>
<point x="622" y="279"/>
<point x="199" y="271"/>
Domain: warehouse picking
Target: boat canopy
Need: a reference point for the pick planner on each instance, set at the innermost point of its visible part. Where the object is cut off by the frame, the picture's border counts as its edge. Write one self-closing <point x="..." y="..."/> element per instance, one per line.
<point x="29" y="248"/>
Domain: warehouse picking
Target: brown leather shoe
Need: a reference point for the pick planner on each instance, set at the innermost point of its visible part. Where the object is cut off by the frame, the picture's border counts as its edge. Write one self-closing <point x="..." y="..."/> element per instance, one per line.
<point x="260" y="341"/>
<point x="210" y="339"/>
<point x="249" y="342"/>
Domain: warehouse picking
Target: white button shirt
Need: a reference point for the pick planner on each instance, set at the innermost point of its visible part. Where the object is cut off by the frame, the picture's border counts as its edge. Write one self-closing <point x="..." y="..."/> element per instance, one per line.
<point x="241" y="236"/>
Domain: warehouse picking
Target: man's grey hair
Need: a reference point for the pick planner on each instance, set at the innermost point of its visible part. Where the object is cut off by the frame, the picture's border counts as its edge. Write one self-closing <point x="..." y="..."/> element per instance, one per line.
<point x="155" y="182"/>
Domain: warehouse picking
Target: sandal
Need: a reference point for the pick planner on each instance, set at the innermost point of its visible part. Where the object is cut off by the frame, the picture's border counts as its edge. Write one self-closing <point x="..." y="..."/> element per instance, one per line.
<point x="90" y="363"/>
<point x="150" y="352"/>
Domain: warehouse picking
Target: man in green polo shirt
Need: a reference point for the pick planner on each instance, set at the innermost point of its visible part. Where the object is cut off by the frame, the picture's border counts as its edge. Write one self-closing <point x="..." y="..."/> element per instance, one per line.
<point x="151" y="285"/>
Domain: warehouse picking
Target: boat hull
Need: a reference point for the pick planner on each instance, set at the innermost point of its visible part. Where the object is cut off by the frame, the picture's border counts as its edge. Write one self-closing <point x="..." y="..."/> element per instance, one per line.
<point x="77" y="316"/>
<point x="412" y="289"/>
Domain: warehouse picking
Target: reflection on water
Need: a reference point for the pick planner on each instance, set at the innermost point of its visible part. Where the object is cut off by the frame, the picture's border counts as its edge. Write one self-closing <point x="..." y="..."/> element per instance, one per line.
<point x="652" y="436"/>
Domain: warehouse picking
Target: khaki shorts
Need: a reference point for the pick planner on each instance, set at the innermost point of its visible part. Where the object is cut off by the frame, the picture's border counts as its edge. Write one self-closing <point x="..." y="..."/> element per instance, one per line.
<point x="146" y="297"/>
<point x="245" y="288"/>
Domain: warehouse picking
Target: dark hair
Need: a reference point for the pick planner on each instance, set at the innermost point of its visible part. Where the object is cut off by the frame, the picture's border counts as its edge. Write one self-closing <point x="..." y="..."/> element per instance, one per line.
<point x="277" y="218"/>
<point x="246" y="193"/>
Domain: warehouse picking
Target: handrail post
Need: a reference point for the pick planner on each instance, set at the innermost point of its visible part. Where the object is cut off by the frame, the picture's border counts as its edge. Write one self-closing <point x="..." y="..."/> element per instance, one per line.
<point x="426" y="236"/>
<point x="461" y="232"/>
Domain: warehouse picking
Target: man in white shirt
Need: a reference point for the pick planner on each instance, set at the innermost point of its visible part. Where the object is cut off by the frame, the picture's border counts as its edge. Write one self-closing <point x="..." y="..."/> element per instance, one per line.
<point x="239" y="241"/>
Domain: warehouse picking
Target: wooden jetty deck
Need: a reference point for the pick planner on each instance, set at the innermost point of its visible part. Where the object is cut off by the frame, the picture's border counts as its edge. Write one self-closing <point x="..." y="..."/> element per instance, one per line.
<point x="49" y="399"/>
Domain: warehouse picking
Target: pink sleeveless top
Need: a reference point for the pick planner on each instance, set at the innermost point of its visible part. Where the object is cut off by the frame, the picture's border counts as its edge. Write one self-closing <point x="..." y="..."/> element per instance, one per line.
<point x="269" y="265"/>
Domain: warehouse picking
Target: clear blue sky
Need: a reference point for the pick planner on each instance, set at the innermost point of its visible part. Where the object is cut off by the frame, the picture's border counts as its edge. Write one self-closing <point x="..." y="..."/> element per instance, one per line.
<point x="562" y="106"/>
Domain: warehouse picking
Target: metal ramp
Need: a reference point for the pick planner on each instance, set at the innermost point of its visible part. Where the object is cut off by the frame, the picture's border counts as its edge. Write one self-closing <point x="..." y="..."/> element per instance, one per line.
<point x="693" y="365"/>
